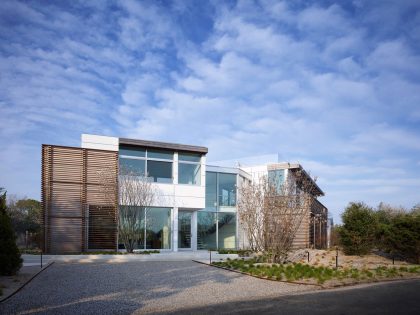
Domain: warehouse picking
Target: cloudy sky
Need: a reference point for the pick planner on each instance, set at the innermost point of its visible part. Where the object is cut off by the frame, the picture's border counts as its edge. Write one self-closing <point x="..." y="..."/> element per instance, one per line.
<point x="332" y="85"/>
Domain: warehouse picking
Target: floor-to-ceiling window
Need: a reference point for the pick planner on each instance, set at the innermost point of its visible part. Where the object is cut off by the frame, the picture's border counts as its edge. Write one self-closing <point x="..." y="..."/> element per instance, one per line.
<point x="158" y="228"/>
<point x="216" y="224"/>
<point x="226" y="230"/>
<point x="153" y="226"/>
<point x="227" y="190"/>
<point x="184" y="229"/>
<point x="206" y="230"/>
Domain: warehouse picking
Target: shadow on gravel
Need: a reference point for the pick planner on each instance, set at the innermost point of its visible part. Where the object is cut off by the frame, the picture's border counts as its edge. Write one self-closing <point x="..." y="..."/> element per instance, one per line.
<point x="103" y="288"/>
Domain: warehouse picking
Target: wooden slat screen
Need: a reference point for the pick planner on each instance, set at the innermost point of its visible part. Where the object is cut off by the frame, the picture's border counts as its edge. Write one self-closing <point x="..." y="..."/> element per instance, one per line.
<point x="319" y="230"/>
<point x="72" y="195"/>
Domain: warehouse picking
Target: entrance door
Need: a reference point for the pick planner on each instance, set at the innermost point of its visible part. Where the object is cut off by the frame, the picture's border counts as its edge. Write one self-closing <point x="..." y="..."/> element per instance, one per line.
<point x="184" y="229"/>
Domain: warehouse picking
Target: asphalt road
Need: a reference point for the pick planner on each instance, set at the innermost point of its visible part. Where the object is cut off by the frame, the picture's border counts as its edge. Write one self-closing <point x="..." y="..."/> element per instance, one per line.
<point x="192" y="288"/>
<point x="401" y="297"/>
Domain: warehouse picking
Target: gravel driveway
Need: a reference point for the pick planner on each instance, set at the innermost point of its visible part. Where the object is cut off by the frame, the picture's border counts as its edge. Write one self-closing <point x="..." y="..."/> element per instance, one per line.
<point x="137" y="287"/>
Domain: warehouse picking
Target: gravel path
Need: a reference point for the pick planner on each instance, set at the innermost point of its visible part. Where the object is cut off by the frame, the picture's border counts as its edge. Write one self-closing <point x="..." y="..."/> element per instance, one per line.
<point x="137" y="287"/>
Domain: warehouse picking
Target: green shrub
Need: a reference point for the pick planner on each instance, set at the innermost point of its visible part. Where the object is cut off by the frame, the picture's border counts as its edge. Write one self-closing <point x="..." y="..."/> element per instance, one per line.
<point x="10" y="260"/>
<point x="401" y="236"/>
<point x="357" y="234"/>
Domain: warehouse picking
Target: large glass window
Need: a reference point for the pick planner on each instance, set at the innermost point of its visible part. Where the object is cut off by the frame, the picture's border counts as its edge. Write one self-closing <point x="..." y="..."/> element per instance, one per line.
<point x="132" y="166"/>
<point x="211" y="190"/>
<point x="189" y="174"/>
<point x="161" y="172"/>
<point x="158" y="228"/>
<point x="160" y="154"/>
<point x="151" y="162"/>
<point x="227" y="190"/>
<point x="206" y="230"/>
<point x="276" y="178"/>
<point x="132" y="151"/>
<point x="189" y="168"/>
<point x="184" y="229"/>
<point x="152" y="226"/>
<point x="226" y="230"/>
<point x="189" y="157"/>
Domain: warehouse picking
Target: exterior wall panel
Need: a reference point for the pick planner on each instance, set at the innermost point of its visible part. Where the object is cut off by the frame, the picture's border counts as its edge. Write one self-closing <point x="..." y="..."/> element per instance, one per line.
<point x="71" y="186"/>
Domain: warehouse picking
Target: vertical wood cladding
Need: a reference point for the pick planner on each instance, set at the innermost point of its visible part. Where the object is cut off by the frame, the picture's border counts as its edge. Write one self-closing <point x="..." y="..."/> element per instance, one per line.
<point x="77" y="215"/>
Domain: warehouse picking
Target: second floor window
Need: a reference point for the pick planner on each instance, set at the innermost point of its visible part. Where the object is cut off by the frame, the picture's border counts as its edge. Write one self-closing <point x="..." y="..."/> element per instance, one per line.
<point x="155" y="164"/>
<point x="189" y="168"/>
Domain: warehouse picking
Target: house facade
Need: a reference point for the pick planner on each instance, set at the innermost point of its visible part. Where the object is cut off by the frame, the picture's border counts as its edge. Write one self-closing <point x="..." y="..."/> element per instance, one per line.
<point x="195" y="206"/>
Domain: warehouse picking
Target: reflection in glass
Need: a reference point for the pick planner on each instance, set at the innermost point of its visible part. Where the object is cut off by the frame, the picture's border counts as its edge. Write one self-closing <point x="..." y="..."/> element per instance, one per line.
<point x="276" y="178"/>
<point x="160" y="154"/>
<point x="158" y="228"/>
<point x="161" y="172"/>
<point x="227" y="230"/>
<point x="211" y="190"/>
<point x="132" y="221"/>
<point x="184" y="229"/>
<point x="206" y="230"/>
<point x="132" y="166"/>
<point x="227" y="190"/>
<point x="189" y="174"/>
<point x="189" y="157"/>
<point x="132" y="151"/>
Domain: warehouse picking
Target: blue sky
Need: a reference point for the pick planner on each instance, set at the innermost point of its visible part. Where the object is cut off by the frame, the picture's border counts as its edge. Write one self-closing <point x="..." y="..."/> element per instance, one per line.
<point x="332" y="85"/>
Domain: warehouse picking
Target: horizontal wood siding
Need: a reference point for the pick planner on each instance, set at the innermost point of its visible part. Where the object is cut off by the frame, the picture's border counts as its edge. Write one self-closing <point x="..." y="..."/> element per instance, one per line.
<point x="301" y="239"/>
<point x="72" y="195"/>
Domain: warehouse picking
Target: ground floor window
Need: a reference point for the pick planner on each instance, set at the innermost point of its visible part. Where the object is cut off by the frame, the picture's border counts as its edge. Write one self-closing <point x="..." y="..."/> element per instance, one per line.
<point x="216" y="230"/>
<point x="158" y="228"/>
<point x="153" y="227"/>
<point x="226" y="230"/>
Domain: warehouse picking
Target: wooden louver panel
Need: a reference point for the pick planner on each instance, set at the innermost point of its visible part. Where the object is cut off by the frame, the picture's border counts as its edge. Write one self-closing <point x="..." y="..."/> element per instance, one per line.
<point x="76" y="212"/>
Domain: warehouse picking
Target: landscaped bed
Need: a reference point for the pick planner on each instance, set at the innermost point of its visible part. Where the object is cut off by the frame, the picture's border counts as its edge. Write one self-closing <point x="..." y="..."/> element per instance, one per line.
<point x="317" y="275"/>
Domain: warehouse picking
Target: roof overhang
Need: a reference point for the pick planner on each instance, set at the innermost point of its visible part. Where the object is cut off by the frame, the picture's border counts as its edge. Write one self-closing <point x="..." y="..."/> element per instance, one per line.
<point x="294" y="167"/>
<point x="163" y="145"/>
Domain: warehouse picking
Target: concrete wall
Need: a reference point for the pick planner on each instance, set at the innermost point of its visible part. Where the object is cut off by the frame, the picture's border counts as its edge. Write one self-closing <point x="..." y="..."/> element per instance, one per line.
<point x="99" y="142"/>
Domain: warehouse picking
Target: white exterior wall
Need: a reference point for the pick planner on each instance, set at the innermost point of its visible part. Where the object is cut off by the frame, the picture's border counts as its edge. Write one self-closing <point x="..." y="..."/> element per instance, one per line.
<point x="100" y="142"/>
<point x="182" y="195"/>
<point x="256" y="173"/>
<point x="175" y="196"/>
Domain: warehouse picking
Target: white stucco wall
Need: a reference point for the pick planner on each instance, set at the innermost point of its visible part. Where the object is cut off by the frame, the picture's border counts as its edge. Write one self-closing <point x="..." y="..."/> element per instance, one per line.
<point x="99" y="142"/>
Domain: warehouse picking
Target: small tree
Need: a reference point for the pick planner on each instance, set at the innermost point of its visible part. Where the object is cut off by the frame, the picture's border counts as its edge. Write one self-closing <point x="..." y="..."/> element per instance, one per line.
<point x="10" y="260"/>
<point x="357" y="234"/>
<point x="135" y="194"/>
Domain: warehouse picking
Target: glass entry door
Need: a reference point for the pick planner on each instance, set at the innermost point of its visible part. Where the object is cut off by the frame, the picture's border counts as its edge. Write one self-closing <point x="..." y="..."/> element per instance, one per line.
<point x="184" y="229"/>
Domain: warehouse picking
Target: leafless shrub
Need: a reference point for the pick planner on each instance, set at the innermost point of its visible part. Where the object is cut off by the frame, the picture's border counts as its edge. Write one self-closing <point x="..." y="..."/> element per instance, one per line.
<point x="135" y="194"/>
<point x="272" y="212"/>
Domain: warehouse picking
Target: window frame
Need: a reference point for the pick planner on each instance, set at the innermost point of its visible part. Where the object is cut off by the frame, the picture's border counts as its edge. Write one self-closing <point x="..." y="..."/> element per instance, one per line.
<point x="147" y="158"/>
<point x="191" y="163"/>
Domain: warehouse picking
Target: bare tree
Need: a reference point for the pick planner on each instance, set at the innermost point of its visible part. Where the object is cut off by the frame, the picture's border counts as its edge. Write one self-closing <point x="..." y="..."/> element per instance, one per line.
<point x="271" y="213"/>
<point x="251" y="212"/>
<point x="135" y="194"/>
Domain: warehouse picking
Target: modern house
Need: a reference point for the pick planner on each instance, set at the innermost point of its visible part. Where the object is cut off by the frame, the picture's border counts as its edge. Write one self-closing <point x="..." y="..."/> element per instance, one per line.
<point x="196" y="208"/>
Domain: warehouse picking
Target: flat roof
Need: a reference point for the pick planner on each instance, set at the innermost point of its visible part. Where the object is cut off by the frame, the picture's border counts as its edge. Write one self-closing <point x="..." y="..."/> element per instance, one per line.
<point x="164" y="145"/>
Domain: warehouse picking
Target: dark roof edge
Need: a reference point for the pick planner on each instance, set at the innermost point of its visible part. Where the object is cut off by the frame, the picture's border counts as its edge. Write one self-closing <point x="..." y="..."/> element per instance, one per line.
<point x="163" y="145"/>
<point x="73" y="147"/>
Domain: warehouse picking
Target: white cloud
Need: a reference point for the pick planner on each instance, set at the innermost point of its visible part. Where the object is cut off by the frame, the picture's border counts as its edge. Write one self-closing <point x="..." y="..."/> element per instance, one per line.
<point x="320" y="84"/>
